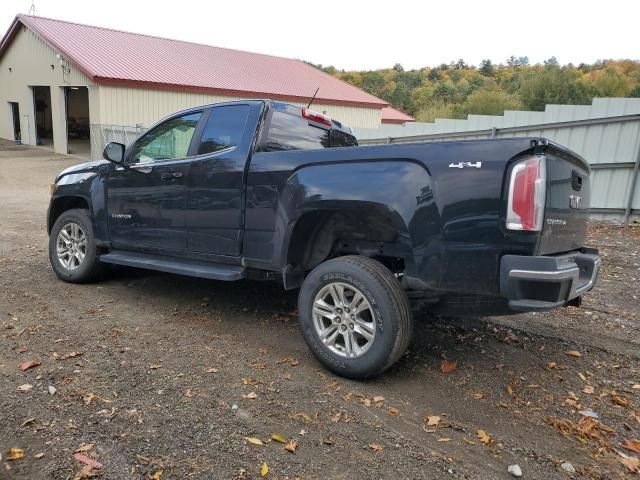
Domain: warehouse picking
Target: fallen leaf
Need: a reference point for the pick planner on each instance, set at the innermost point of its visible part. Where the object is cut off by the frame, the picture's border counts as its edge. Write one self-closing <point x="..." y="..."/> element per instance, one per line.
<point x="552" y="365"/>
<point x="336" y="418"/>
<point x="448" y="366"/>
<point x="588" y="390"/>
<point x="87" y="461"/>
<point x="366" y="402"/>
<point x="278" y="438"/>
<point x="15" y="454"/>
<point x="377" y="448"/>
<point x="632" y="445"/>
<point x="582" y="377"/>
<point x="304" y="416"/>
<point x="574" y="353"/>
<point x="432" y="420"/>
<point x="250" y="395"/>
<point x="378" y="399"/>
<point x="250" y="381"/>
<point x="291" y="446"/>
<point x="479" y="396"/>
<point x="292" y="362"/>
<point x="39" y="455"/>
<point x="620" y="400"/>
<point x="56" y="356"/>
<point x="85" y="472"/>
<point x="393" y="411"/>
<point x="466" y="440"/>
<point x="510" y="390"/>
<point x="157" y="475"/>
<point x="444" y="439"/>
<point x="328" y="441"/>
<point x="255" y="441"/>
<point x="25" y="388"/>
<point x="85" y="447"/>
<point x="636" y="387"/>
<point x="212" y="370"/>
<point x="632" y="463"/>
<point x="188" y="393"/>
<point x="27" y="364"/>
<point x="264" y="470"/>
<point x="484" y="437"/>
<point x="155" y="366"/>
<point x="89" y="397"/>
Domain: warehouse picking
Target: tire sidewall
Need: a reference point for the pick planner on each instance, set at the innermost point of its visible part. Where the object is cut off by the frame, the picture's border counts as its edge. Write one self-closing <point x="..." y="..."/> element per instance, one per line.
<point x="84" y="271"/>
<point x="377" y="356"/>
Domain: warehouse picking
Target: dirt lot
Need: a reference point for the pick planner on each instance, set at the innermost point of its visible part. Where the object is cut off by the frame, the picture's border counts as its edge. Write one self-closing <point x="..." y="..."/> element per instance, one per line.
<point x="162" y="375"/>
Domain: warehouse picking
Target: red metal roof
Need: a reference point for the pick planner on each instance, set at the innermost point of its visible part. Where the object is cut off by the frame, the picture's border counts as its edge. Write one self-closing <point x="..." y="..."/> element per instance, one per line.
<point x="116" y="57"/>
<point x="391" y="115"/>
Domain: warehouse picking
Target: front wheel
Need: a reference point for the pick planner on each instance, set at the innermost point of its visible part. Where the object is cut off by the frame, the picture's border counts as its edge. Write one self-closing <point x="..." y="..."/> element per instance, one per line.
<point x="72" y="249"/>
<point x="354" y="316"/>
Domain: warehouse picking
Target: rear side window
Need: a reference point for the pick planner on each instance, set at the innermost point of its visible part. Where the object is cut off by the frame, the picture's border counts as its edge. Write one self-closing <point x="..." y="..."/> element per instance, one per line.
<point x="341" y="139"/>
<point x="289" y="132"/>
<point x="224" y="128"/>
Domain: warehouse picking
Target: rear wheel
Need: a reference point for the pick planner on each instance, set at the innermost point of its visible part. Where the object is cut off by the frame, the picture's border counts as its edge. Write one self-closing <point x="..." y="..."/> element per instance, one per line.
<point x="72" y="249"/>
<point x="354" y="316"/>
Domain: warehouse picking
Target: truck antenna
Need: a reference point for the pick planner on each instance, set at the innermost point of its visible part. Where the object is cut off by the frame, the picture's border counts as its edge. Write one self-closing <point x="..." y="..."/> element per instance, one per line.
<point x="313" y="98"/>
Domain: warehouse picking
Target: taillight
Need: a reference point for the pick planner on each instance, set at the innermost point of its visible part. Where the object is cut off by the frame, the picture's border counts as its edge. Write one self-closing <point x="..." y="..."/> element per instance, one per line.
<point x="316" y="117"/>
<point x="527" y="191"/>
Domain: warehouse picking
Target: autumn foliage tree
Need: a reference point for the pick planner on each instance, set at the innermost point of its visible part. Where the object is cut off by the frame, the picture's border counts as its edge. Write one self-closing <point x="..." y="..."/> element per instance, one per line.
<point x="457" y="89"/>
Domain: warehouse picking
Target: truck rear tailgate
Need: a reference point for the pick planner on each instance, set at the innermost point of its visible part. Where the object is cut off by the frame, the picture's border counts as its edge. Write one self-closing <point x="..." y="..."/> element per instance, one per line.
<point x="567" y="202"/>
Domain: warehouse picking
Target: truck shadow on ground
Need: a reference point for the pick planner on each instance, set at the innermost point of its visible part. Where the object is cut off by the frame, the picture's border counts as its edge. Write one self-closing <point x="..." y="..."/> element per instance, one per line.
<point x="473" y="341"/>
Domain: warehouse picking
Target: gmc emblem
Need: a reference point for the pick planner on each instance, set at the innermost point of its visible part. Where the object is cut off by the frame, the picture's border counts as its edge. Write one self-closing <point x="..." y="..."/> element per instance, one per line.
<point x="574" y="201"/>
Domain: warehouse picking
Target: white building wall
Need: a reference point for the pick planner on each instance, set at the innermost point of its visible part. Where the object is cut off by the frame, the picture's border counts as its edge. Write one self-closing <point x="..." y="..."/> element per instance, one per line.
<point x="30" y="60"/>
<point x="129" y="106"/>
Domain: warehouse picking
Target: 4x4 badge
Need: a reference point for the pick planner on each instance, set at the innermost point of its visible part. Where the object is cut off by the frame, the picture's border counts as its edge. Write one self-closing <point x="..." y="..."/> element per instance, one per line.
<point x="465" y="164"/>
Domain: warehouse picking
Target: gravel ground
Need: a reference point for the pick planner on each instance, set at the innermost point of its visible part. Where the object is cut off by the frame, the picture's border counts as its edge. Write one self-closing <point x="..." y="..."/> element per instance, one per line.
<point x="157" y="376"/>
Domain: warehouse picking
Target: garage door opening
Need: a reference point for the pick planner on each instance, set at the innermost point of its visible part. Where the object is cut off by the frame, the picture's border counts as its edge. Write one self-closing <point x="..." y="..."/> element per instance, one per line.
<point x="15" y="117"/>
<point x="78" y="131"/>
<point x="42" y="114"/>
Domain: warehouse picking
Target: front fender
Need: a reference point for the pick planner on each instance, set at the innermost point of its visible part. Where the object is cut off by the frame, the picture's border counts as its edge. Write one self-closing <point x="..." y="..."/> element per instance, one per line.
<point x="87" y="187"/>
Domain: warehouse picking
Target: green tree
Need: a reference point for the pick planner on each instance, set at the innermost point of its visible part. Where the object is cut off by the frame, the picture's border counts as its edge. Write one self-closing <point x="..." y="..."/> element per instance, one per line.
<point x="486" y="68"/>
<point x="552" y="84"/>
<point x="491" y="102"/>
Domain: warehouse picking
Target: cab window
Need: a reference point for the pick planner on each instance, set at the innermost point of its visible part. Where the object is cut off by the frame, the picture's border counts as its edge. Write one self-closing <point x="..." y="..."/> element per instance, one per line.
<point x="291" y="132"/>
<point x="168" y="141"/>
<point x="225" y="127"/>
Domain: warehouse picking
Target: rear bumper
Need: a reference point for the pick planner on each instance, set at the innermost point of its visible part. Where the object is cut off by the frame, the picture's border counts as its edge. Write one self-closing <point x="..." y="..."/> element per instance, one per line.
<point x="546" y="282"/>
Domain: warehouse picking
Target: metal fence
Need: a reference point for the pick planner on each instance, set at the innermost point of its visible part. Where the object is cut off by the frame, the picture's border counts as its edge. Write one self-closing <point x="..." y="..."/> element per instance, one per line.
<point x="101" y="134"/>
<point x="611" y="145"/>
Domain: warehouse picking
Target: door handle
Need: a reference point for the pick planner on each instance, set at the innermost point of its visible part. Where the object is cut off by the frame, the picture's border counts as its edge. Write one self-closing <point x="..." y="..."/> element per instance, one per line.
<point x="170" y="175"/>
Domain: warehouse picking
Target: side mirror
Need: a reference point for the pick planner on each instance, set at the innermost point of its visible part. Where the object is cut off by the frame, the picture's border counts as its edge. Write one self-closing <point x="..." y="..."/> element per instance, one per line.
<point x="114" y="152"/>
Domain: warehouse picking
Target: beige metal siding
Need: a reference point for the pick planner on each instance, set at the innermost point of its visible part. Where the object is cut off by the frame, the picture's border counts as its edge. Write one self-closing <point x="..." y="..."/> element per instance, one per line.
<point x="30" y="60"/>
<point x="132" y="106"/>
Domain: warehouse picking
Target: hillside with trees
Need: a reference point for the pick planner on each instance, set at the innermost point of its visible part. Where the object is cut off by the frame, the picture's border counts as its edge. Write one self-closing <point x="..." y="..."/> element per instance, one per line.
<point x="457" y="89"/>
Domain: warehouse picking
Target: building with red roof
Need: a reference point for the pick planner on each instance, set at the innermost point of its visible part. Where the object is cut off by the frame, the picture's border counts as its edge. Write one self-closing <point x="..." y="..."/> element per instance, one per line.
<point x="392" y="116"/>
<point x="61" y="81"/>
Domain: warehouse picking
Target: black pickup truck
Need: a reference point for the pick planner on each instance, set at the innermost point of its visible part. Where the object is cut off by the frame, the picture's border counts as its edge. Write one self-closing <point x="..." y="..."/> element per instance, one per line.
<point x="265" y="190"/>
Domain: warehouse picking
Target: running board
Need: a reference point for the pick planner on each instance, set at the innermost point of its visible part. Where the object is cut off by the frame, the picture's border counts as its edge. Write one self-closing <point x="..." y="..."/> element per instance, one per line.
<point x="193" y="268"/>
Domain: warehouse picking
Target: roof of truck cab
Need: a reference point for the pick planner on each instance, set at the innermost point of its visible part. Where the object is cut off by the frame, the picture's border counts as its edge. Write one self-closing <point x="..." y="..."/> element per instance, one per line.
<point x="116" y="57"/>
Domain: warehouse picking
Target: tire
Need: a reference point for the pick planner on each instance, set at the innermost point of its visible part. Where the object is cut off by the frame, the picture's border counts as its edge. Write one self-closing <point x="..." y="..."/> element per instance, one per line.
<point x="77" y="225"/>
<point x="387" y="316"/>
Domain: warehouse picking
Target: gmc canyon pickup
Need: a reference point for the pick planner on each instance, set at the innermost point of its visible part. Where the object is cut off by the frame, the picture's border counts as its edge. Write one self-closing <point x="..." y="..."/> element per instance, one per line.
<point x="265" y="190"/>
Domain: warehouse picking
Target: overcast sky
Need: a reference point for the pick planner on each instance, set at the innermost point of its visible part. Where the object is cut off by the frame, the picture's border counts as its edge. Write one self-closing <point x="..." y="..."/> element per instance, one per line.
<point x="373" y="34"/>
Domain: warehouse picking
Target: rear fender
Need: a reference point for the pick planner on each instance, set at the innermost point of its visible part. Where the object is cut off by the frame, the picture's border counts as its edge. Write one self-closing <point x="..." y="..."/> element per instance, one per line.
<point x="382" y="200"/>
